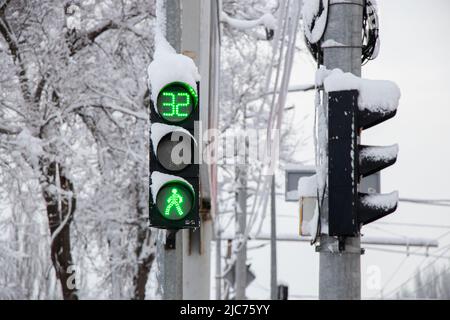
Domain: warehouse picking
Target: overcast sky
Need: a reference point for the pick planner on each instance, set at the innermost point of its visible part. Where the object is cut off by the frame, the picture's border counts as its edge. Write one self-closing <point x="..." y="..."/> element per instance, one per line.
<point x="414" y="53"/>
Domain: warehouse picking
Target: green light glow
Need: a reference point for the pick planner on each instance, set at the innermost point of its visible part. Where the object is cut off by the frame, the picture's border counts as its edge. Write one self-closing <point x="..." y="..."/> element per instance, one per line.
<point x="175" y="105"/>
<point x="174" y="200"/>
<point x="176" y="102"/>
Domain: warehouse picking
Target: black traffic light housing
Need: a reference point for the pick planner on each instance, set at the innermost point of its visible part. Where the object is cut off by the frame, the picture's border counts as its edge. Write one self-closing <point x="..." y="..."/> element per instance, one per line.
<point x="187" y="176"/>
<point x="348" y="162"/>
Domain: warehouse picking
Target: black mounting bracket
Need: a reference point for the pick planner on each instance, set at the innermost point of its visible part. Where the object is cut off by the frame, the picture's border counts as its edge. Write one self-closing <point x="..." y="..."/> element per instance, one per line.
<point x="341" y="244"/>
<point x="171" y="239"/>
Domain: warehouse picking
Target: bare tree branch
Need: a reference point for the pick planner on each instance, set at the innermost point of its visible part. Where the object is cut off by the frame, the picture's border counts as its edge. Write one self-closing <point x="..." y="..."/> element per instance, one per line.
<point x="11" y="40"/>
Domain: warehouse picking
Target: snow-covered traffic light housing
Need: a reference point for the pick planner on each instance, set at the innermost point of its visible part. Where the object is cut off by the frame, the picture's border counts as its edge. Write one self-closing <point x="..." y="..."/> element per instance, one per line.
<point x="174" y="175"/>
<point x="348" y="161"/>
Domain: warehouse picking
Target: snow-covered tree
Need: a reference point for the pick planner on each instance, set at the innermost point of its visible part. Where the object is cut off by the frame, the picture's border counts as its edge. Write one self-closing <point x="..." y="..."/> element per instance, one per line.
<point x="73" y="148"/>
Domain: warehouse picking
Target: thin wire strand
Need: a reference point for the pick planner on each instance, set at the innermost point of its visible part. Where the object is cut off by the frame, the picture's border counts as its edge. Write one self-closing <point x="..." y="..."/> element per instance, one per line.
<point x="447" y="248"/>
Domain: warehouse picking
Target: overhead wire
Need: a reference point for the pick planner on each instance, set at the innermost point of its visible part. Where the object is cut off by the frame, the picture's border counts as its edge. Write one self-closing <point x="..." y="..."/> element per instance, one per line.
<point x="262" y="200"/>
<point x="445" y="249"/>
<point x="431" y="202"/>
<point x="422" y="254"/>
<point x="282" y="22"/>
<point x="288" y="64"/>
<point x="430" y="281"/>
<point x="277" y="49"/>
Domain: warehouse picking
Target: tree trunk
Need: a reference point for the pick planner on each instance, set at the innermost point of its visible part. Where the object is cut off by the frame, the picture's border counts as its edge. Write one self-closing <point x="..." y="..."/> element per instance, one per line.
<point x="145" y="256"/>
<point x="60" y="211"/>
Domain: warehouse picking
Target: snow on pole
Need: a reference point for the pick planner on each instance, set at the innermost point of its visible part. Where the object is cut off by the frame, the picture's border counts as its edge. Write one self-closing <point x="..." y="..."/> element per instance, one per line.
<point x="314" y="19"/>
<point x="330" y="43"/>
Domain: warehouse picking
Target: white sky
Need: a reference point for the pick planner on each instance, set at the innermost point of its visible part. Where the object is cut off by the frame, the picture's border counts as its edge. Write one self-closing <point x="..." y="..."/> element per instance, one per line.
<point x="414" y="50"/>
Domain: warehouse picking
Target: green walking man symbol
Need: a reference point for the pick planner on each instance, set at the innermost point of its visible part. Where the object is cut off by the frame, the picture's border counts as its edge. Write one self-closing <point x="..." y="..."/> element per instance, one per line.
<point x="174" y="200"/>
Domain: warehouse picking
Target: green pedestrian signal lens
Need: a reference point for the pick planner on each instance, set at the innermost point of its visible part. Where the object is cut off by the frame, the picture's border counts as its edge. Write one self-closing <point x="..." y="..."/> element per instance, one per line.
<point x="174" y="200"/>
<point x="176" y="101"/>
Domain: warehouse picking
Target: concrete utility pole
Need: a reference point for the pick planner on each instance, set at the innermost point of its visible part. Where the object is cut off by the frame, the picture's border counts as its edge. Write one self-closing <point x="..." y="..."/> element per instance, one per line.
<point x="170" y="264"/>
<point x="173" y="23"/>
<point x="340" y="271"/>
<point x="241" y="215"/>
<point x="170" y="254"/>
<point x="196" y="43"/>
<point x="273" y="244"/>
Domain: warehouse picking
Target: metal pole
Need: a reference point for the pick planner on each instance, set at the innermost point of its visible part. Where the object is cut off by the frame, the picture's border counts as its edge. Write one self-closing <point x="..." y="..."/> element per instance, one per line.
<point x="340" y="271"/>
<point x="241" y="214"/>
<point x="170" y="254"/>
<point x="241" y="224"/>
<point x="273" y="243"/>
<point x="170" y="265"/>
<point x="173" y="23"/>
<point x="197" y="43"/>
<point x="218" y="261"/>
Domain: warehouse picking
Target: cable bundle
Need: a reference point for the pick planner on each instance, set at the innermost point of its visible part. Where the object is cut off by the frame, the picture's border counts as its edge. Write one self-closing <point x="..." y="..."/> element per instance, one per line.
<point x="315" y="25"/>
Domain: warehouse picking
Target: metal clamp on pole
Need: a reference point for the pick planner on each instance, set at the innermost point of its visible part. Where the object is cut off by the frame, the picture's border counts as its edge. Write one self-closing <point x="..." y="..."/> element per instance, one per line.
<point x="171" y="240"/>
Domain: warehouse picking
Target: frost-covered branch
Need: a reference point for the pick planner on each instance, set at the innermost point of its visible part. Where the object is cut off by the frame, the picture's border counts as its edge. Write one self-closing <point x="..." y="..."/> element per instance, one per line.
<point x="267" y="20"/>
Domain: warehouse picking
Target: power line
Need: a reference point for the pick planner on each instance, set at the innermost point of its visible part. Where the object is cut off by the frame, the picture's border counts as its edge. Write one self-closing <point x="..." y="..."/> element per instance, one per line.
<point x="418" y="225"/>
<point x="385" y="231"/>
<point x="424" y="200"/>
<point x="430" y="281"/>
<point x="447" y="248"/>
<point x="405" y="224"/>
<point x="431" y="202"/>
<point x="415" y="253"/>
<point x="394" y="273"/>
<point x="426" y="257"/>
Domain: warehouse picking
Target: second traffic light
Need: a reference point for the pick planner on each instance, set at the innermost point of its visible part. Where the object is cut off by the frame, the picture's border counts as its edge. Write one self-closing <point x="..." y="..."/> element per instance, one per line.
<point x="174" y="176"/>
<point x="348" y="161"/>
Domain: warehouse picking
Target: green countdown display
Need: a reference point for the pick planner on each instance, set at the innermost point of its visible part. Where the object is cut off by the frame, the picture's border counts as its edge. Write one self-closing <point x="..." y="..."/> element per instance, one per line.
<point x="174" y="200"/>
<point x="176" y="101"/>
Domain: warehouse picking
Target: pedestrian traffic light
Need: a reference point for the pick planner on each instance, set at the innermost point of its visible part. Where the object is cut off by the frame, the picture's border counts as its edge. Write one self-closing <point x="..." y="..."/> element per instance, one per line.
<point x="348" y="161"/>
<point x="176" y="102"/>
<point x="174" y="175"/>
